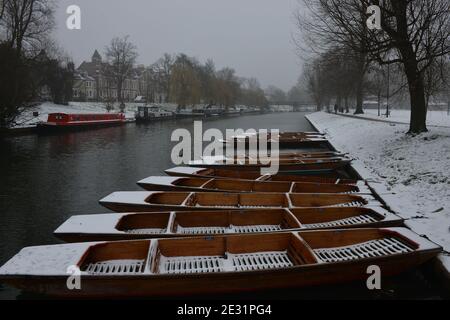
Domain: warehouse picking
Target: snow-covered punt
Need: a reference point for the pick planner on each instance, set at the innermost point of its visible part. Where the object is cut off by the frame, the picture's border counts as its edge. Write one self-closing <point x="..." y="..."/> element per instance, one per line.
<point x="294" y="165"/>
<point x="256" y="175"/>
<point x="164" y="183"/>
<point x="146" y="201"/>
<point x="84" y="120"/>
<point x="284" y="139"/>
<point x="216" y="264"/>
<point x="129" y="226"/>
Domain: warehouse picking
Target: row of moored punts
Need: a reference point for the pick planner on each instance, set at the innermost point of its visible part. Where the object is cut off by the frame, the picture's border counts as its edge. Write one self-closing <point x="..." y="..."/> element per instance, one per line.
<point x="215" y="227"/>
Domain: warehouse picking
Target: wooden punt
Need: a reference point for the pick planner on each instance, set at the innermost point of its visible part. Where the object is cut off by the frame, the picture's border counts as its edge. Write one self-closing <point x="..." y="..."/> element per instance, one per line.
<point x="284" y="164"/>
<point x="157" y="183"/>
<point x="280" y="135"/>
<point x="313" y="155"/>
<point x="146" y="201"/>
<point x="284" y="139"/>
<point x="254" y="175"/>
<point x="130" y="226"/>
<point x="216" y="264"/>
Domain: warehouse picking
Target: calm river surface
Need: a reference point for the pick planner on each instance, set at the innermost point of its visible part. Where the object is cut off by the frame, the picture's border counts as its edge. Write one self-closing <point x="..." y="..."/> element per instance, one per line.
<point x="46" y="179"/>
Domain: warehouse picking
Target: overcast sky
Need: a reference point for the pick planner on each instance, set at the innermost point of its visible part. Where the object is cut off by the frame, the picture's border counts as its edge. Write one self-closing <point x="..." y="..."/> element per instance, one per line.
<point x="251" y="36"/>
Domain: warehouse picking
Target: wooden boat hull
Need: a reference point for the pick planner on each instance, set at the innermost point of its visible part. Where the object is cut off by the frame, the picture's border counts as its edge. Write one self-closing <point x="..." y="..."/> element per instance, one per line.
<point x="284" y="140"/>
<point x="183" y="201"/>
<point x="254" y="175"/>
<point x="316" y="167"/>
<point x="188" y="201"/>
<point x="163" y="183"/>
<point x="304" y="274"/>
<point x="129" y="287"/>
<point x="131" y="226"/>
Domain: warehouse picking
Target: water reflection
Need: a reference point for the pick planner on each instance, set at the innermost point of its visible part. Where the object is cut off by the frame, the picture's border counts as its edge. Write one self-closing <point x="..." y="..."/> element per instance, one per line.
<point x="46" y="179"/>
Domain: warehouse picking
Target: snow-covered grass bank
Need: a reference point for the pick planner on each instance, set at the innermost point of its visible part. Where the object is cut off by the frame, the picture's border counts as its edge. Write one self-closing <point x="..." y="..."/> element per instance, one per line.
<point x="434" y="118"/>
<point x="26" y="119"/>
<point x="413" y="172"/>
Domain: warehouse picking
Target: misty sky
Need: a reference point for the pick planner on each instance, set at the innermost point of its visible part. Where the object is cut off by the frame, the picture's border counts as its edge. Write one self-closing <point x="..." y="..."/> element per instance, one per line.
<point x="252" y="36"/>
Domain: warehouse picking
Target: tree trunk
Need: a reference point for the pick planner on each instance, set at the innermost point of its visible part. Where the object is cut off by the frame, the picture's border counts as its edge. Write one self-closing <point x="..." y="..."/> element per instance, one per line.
<point x="119" y="91"/>
<point x="347" y="109"/>
<point x="360" y="84"/>
<point x="339" y="102"/>
<point x="418" y="122"/>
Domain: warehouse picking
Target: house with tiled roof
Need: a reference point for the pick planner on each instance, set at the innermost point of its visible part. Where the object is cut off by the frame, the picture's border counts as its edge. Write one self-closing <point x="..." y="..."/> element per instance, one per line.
<point x="92" y="82"/>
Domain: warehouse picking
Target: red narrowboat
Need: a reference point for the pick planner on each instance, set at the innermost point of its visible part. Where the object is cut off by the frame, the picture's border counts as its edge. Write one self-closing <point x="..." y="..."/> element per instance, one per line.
<point x="65" y="121"/>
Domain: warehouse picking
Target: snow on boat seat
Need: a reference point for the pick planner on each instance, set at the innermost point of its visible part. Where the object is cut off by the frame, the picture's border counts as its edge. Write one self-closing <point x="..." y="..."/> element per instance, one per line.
<point x="123" y="258"/>
<point x="144" y="224"/>
<point x="228" y="263"/>
<point x="256" y="228"/>
<point x="203" y="230"/>
<point x="369" y="249"/>
<point x="146" y="231"/>
<point x="229" y="229"/>
<point x="351" y="204"/>
<point x="361" y="219"/>
<point x="232" y="254"/>
<point x="261" y="261"/>
<point x="116" y="267"/>
<point x="204" y="264"/>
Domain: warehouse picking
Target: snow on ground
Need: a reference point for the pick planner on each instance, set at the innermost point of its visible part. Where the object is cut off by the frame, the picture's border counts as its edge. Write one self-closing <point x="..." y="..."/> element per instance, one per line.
<point x="434" y="118"/>
<point x="27" y="119"/>
<point x="415" y="170"/>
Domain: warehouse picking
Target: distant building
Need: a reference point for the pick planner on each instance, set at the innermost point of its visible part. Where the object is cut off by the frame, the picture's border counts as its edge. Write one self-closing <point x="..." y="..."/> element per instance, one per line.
<point x="92" y="83"/>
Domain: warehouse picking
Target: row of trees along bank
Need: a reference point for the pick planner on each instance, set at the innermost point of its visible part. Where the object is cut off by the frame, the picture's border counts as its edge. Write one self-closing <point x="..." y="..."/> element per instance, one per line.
<point x="413" y="42"/>
<point x="31" y="61"/>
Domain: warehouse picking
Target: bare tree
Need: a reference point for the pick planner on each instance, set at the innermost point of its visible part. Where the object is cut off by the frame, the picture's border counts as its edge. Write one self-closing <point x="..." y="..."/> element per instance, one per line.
<point x="414" y="34"/>
<point x="435" y="79"/>
<point x="275" y="94"/>
<point x="319" y="34"/>
<point x="184" y="82"/>
<point x="207" y="75"/>
<point x="25" y="26"/>
<point x="121" y="55"/>
<point x="27" y="23"/>
<point x="108" y="86"/>
<point x="163" y="69"/>
<point x="251" y="94"/>
<point x="331" y="76"/>
<point x="2" y="8"/>
<point x="228" y="87"/>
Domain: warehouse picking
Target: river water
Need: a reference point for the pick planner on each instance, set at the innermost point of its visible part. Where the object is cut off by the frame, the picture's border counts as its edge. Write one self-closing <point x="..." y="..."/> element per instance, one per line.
<point x="46" y="179"/>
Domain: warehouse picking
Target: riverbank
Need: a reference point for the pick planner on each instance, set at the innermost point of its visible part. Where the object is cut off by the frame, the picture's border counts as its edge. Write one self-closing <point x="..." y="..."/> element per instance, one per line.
<point x="434" y="118"/>
<point x="26" y="123"/>
<point x="411" y="173"/>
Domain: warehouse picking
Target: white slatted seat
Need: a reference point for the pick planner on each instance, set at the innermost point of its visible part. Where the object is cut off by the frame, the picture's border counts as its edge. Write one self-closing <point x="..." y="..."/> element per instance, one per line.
<point x="146" y="231"/>
<point x="116" y="267"/>
<point x="342" y="222"/>
<point x="369" y="249"/>
<point x="256" y="228"/>
<point x="227" y="263"/>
